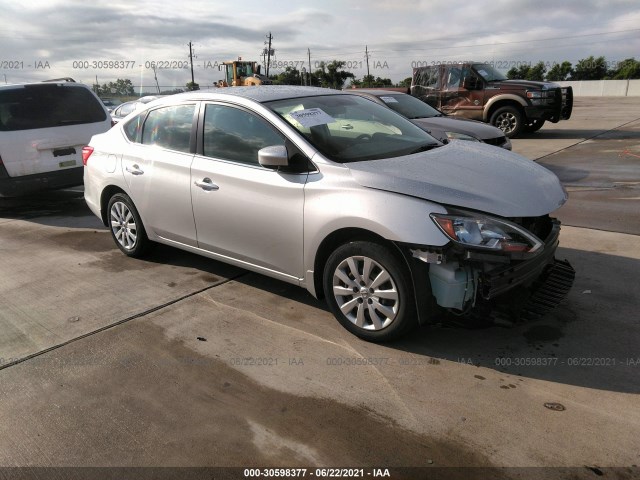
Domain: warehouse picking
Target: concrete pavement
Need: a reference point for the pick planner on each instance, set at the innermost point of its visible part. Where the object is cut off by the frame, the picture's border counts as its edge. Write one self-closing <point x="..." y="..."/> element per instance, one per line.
<point x="178" y="360"/>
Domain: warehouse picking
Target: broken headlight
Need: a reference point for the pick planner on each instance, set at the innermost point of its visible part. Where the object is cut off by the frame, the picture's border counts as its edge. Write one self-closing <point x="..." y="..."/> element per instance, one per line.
<point x="487" y="233"/>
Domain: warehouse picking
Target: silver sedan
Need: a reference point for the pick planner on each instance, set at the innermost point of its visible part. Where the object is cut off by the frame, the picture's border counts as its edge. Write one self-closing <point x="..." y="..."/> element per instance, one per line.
<point x="339" y="195"/>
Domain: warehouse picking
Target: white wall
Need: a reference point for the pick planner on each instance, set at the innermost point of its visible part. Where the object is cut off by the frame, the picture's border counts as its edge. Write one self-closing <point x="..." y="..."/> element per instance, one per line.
<point x="604" y="88"/>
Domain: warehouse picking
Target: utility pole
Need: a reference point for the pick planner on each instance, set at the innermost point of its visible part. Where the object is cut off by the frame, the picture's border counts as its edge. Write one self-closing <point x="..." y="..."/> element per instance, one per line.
<point x="269" y="52"/>
<point x="366" y="56"/>
<point x="156" y="77"/>
<point x="309" y="55"/>
<point x="191" y="60"/>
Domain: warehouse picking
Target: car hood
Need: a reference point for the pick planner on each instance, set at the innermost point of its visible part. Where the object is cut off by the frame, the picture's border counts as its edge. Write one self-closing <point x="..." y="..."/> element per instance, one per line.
<point x="532" y="84"/>
<point x="468" y="175"/>
<point x="469" y="127"/>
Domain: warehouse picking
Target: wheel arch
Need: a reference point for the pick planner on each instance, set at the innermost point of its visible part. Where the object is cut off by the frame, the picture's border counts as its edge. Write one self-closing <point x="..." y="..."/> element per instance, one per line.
<point x="503" y="101"/>
<point x="417" y="270"/>
<point x="105" y="196"/>
<point x="341" y="237"/>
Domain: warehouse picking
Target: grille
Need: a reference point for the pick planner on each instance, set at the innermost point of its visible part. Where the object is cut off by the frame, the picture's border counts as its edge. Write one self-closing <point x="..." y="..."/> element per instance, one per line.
<point x="552" y="287"/>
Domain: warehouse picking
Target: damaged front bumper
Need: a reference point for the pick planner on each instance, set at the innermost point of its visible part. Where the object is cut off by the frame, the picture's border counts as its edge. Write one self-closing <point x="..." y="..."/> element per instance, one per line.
<point x="466" y="281"/>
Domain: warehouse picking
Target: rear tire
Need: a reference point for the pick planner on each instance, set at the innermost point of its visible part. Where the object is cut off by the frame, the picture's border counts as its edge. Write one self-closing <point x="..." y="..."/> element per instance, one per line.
<point x="509" y="119"/>
<point x="368" y="289"/>
<point x="126" y="226"/>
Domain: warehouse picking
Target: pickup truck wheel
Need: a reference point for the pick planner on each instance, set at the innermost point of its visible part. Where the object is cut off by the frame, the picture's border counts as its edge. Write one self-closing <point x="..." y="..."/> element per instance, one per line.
<point x="508" y="119"/>
<point x="369" y="291"/>
<point x="533" y="126"/>
<point x="126" y="226"/>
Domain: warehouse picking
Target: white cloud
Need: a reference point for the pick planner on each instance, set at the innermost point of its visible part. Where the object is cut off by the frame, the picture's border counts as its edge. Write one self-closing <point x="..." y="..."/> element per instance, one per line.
<point x="396" y="33"/>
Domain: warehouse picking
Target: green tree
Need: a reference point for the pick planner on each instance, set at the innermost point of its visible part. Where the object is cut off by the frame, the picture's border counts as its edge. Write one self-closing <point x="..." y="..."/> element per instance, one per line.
<point x="405" y="83"/>
<point x="519" y="73"/>
<point x="590" y="69"/>
<point x="191" y="86"/>
<point x="290" y="76"/>
<point x="331" y="74"/>
<point x="121" y="87"/>
<point x="560" y="72"/>
<point x="536" y="72"/>
<point x="626" y="69"/>
<point x="368" y="81"/>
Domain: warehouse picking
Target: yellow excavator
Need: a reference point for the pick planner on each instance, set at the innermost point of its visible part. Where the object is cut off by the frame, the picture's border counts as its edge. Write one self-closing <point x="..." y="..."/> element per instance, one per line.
<point x="239" y="73"/>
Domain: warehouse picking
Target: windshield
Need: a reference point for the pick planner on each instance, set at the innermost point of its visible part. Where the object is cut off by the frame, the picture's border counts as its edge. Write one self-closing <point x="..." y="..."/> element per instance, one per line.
<point x="349" y="128"/>
<point x="489" y="73"/>
<point x="409" y="106"/>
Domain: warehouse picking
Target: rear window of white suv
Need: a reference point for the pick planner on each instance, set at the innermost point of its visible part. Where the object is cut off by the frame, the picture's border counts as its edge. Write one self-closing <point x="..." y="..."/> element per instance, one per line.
<point x="45" y="105"/>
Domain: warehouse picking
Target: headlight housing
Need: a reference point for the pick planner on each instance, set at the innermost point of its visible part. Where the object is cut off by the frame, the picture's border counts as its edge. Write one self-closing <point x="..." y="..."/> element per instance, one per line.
<point x="461" y="136"/>
<point x="487" y="233"/>
<point x="540" y="97"/>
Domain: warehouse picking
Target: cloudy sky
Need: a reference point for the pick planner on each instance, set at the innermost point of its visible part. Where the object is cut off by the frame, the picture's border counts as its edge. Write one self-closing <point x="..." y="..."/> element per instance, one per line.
<point x="80" y="39"/>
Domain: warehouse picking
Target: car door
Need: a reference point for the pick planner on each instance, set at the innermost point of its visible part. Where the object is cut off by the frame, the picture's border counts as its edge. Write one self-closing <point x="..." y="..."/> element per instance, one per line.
<point x="459" y="98"/>
<point x="242" y="210"/>
<point x="157" y="169"/>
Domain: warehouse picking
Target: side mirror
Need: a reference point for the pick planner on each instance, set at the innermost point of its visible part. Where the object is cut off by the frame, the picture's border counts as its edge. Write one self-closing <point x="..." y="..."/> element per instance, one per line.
<point x="275" y="156"/>
<point x="471" y="83"/>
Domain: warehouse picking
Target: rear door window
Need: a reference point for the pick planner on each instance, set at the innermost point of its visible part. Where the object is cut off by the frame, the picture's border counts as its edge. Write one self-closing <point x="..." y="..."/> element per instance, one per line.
<point x="48" y="105"/>
<point x="169" y="127"/>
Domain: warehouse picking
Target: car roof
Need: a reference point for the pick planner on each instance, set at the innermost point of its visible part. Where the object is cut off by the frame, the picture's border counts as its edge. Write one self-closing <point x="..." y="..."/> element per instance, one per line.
<point x="376" y="92"/>
<point x="261" y="93"/>
<point x="29" y="84"/>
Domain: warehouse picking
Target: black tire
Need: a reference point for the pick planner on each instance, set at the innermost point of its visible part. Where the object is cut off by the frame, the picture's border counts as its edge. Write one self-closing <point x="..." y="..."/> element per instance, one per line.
<point x="533" y="126"/>
<point x="126" y="226"/>
<point x="383" y="306"/>
<point x="509" y="119"/>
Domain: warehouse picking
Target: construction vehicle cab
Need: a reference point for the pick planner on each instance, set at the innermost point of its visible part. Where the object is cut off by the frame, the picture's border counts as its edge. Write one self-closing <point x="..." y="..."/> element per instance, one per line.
<point x="241" y="73"/>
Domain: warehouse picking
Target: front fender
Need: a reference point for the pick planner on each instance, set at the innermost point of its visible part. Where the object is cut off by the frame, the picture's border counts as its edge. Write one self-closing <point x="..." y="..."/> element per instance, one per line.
<point x="347" y="205"/>
<point x="501" y="98"/>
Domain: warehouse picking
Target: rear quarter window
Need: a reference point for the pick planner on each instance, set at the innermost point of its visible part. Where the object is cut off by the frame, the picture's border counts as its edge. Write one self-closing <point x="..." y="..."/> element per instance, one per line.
<point x="48" y="105"/>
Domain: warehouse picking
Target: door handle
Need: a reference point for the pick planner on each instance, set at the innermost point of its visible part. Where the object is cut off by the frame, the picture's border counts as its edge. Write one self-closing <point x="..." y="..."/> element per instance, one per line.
<point x="135" y="170"/>
<point x="348" y="126"/>
<point x="206" y="184"/>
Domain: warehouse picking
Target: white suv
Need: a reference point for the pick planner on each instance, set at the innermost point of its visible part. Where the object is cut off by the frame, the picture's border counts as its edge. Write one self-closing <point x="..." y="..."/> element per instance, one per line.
<point x="43" y="127"/>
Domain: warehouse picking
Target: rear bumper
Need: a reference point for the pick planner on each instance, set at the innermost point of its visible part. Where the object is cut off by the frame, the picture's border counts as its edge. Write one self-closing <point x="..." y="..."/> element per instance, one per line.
<point x="16" y="186"/>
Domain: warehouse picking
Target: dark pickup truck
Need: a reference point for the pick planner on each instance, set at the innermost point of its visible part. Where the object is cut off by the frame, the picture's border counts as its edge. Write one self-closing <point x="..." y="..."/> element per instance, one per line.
<point x="480" y="92"/>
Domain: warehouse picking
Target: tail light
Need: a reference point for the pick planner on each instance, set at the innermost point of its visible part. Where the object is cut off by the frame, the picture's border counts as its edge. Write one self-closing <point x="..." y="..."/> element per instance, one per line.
<point x="86" y="153"/>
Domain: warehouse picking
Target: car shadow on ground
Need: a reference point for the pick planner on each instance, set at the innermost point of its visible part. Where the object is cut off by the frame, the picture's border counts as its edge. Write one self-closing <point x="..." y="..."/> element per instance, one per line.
<point x="590" y="340"/>
<point x="56" y="208"/>
<point x="551" y="133"/>
<point x="567" y="174"/>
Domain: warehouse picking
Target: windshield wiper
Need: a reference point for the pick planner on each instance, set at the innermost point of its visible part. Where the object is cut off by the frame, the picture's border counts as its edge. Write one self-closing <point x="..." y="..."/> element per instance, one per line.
<point x="424" y="148"/>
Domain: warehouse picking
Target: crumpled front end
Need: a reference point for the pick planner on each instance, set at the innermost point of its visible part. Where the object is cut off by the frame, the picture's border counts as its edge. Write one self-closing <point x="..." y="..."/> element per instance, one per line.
<point x="506" y="279"/>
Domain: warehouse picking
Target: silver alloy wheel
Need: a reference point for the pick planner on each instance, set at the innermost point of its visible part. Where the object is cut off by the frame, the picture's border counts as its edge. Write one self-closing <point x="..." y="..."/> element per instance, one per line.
<point x="365" y="293"/>
<point x="123" y="225"/>
<point x="506" y="122"/>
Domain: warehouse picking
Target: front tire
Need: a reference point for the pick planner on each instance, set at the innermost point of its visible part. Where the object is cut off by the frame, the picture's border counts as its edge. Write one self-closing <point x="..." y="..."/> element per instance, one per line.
<point x="369" y="291"/>
<point x="533" y="126"/>
<point x="126" y="226"/>
<point x="509" y="119"/>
